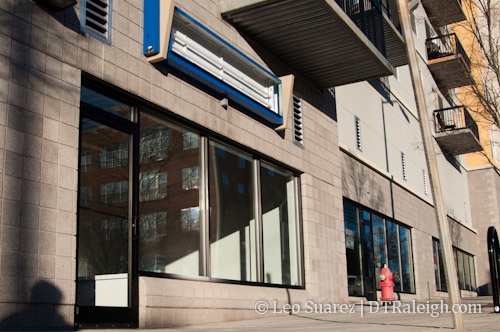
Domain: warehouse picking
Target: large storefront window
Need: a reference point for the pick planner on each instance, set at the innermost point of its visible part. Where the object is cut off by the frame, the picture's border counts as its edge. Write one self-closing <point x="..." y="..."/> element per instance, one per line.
<point x="466" y="270"/>
<point x="281" y="260"/>
<point x="186" y="205"/>
<point x="232" y="221"/>
<point x="163" y="193"/>
<point x="373" y="241"/>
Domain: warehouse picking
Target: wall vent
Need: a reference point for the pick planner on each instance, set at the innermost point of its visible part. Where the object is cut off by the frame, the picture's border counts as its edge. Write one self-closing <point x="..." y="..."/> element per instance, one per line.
<point x="357" y="125"/>
<point x="403" y="165"/>
<point x="426" y="187"/>
<point x="298" y="120"/>
<point x="96" y="18"/>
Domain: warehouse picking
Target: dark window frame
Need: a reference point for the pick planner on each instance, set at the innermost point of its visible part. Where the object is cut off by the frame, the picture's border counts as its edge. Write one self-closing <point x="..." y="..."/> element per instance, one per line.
<point x="461" y="273"/>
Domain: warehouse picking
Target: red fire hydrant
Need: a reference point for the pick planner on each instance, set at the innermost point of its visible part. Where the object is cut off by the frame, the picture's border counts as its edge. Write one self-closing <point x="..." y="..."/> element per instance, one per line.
<point x="386" y="284"/>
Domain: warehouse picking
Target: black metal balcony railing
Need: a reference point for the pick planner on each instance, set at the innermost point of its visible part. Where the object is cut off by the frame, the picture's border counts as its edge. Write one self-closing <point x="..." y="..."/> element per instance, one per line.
<point x="367" y="15"/>
<point x="454" y="118"/>
<point x="443" y="46"/>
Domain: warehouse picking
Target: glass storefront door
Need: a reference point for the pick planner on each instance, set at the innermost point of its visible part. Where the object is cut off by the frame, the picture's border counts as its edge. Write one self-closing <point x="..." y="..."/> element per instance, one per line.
<point x="105" y="287"/>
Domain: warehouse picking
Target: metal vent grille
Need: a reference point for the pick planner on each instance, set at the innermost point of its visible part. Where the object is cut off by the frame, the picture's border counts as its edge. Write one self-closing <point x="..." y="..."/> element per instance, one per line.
<point x="96" y="18"/>
<point x="298" y="123"/>
<point x="359" y="142"/>
<point x="426" y="187"/>
<point x="403" y="165"/>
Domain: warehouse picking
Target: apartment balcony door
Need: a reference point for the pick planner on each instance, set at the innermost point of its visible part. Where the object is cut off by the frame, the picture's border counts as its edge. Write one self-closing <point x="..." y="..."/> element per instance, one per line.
<point x="106" y="285"/>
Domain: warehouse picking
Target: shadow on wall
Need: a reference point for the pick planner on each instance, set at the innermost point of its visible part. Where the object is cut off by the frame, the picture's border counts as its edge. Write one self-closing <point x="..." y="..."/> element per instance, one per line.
<point x="484" y="290"/>
<point x="29" y="88"/>
<point x="41" y="313"/>
<point x="359" y="185"/>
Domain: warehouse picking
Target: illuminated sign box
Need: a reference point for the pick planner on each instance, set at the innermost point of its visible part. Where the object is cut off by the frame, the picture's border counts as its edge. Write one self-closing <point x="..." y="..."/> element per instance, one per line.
<point x="206" y="58"/>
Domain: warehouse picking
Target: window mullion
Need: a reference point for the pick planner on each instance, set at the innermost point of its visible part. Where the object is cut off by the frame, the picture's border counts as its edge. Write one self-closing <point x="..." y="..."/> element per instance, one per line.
<point x="204" y="209"/>
<point x="298" y="225"/>
<point x="258" y="221"/>
<point x="400" y="257"/>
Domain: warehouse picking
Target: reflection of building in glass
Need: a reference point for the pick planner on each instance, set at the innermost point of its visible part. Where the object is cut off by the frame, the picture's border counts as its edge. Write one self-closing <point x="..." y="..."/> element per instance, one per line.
<point x="153" y="226"/>
<point x="153" y="185"/>
<point x="113" y="156"/>
<point x="190" y="219"/>
<point x="190" y="178"/>
<point x="372" y="241"/>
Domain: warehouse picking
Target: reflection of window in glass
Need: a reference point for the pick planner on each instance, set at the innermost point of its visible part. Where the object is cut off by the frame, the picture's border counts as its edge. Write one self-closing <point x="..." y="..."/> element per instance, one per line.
<point x="439" y="270"/>
<point x="113" y="156"/>
<point x="153" y="226"/>
<point x="162" y="150"/>
<point x="190" y="178"/>
<point x="232" y="221"/>
<point x="85" y="224"/>
<point x="378" y="245"/>
<point x="113" y="192"/>
<point x="85" y="161"/>
<point x="190" y="140"/>
<point x="279" y="226"/>
<point x="353" y="254"/>
<point x="465" y="269"/>
<point x="472" y="273"/>
<point x="84" y="267"/>
<point x="393" y="250"/>
<point x="406" y="259"/>
<point x="437" y="275"/>
<point x="190" y="219"/>
<point x="113" y="228"/>
<point x="154" y="144"/>
<point x="85" y="195"/>
<point x="153" y="185"/>
<point x="153" y="262"/>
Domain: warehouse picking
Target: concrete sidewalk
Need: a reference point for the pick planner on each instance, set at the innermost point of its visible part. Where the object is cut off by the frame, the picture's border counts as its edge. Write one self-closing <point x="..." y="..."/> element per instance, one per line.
<point x="390" y="319"/>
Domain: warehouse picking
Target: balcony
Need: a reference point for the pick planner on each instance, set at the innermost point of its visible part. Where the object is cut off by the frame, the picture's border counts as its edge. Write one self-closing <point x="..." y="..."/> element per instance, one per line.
<point x="456" y="131"/>
<point x="328" y="42"/>
<point x="448" y="62"/>
<point x="444" y="12"/>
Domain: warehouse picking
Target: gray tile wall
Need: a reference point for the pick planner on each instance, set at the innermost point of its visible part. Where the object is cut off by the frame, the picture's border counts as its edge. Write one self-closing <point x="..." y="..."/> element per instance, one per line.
<point x="39" y="97"/>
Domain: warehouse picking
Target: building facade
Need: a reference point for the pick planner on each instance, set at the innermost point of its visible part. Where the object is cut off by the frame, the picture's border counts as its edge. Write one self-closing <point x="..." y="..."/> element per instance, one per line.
<point x="166" y="163"/>
<point x="482" y="166"/>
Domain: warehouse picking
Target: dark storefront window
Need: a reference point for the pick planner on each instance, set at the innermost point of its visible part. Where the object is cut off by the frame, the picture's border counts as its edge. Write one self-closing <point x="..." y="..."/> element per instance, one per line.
<point x="464" y="262"/>
<point x="373" y="241"/>
<point x="353" y="253"/>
